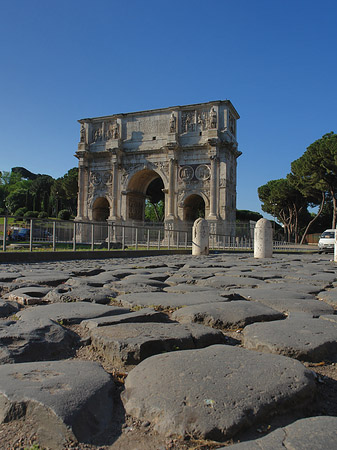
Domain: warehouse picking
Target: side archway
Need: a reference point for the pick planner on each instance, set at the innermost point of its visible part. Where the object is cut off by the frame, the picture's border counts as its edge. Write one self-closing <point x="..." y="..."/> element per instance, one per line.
<point x="100" y="209"/>
<point x="193" y="208"/>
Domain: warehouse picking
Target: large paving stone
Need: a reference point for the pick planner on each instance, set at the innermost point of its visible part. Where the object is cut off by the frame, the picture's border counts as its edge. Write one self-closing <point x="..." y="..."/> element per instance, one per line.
<point x="100" y="279"/>
<point x="188" y="287"/>
<point x="329" y="296"/>
<point x="283" y="301"/>
<point x="38" y="340"/>
<point x="215" y="392"/>
<point x="138" y="283"/>
<point x="297" y="286"/>
<point x="80" y="293"/>
<point x="46" y="277"/>
<point x="70" y="313"/>
<point x="299" y="337"/>
<point x="8" y="276"/>
<point x="29" y="295"/>
<point x="224" y="315"/>
<point x="8" y="308"/>
<point x="315" y="278"/>
<point x="265" y="292"/>
<point x="129" y="343"/>
<point x="170" y="300"/>
<point x="227" y="281"/>
<point x="314" y="433"/>
<point x="64" y="399"/>
<point x="143" y="315"/>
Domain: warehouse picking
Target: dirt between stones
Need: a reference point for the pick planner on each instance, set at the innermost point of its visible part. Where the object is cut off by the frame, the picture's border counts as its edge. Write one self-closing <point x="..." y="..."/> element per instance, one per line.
<point x="22" y="434"/>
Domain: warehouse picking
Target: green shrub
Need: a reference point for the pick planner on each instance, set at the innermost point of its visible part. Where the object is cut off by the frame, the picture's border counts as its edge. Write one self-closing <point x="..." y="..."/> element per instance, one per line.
<point x="2" y="211"/>
<point x="43" y="215"/>
<point x="31" y="214"/>
<point x="64" y="214"/>
<point x="20" y="212"/>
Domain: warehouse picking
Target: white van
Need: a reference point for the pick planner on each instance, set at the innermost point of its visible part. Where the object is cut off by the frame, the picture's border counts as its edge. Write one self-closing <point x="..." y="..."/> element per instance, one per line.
<point x="327" y="240"/>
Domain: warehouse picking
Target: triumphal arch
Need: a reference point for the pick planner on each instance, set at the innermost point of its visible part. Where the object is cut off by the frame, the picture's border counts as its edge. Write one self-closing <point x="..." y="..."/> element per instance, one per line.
<point x="184" y="155"/>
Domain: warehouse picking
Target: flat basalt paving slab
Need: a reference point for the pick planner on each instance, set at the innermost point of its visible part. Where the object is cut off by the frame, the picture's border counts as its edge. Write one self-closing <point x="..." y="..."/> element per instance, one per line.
<point x="214" y="393"/>
<point x="127" y="344"/>
<point x="47" y="277"/>
<point x="226" y="281"/>
<point x="34" y="340"/>
<point x="314" y="433"/>
<point x="329" y="296"/>
<point x="283" y="301"/>
<point x="266" y="292"/>
<point x="63" y="399"/>
<point x="28" y="295"/>
<point x="80" y="293"/>
<point x="188" y="287"/>
<point x="235" y="314"/>
<point x="297" y="286"/>
<point x="70" y="313"/>
<point x="8" y="308"/>
<point x="167" y="300"/>
<point x="143" y="315"/>
<point x="299" y="337"/>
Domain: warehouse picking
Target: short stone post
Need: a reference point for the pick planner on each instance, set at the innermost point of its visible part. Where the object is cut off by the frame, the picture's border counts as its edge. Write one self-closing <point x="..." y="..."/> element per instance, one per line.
<point x="263" y="239"/>
<point x="200" y="237"/>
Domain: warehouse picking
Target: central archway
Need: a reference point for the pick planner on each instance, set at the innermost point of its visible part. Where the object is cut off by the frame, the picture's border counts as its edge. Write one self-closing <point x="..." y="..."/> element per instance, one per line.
<point x="194" y="207"/>
<point x="145" y="186"/>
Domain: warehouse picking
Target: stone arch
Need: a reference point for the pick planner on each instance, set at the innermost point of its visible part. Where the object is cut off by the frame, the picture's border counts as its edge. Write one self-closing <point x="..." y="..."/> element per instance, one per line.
<point x="100" y="209"/>
<point x="194" y="206"/>
<point x="143" y="184"/>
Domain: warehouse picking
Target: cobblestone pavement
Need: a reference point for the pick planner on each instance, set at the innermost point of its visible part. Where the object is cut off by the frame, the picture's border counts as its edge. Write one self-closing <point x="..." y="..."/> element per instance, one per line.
<point x="169" y="352"/>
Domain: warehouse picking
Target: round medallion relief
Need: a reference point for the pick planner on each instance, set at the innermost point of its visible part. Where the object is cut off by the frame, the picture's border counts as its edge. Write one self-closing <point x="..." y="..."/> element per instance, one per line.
<point x="96" y="178"/>
<point x="107" y="178"/>
<point x="186" y="173"/>
<point x="202" y="172"/>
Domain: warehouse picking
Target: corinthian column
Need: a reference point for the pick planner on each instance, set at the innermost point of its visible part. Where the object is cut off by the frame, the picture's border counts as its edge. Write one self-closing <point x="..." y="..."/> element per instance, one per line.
<point x="113" y="213"/>
<point x="213" y="188"/>
<point x="82" y="193"/>
<point x="171" y="189"/>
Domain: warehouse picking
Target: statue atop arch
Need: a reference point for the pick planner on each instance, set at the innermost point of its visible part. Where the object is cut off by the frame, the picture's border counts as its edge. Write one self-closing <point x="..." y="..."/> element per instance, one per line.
<point x="185" y="156"/>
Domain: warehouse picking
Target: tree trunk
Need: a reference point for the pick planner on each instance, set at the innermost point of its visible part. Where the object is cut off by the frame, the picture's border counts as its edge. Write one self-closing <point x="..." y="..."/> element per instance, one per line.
<point x="313" y="220"/>
<point x="334" y="209"/>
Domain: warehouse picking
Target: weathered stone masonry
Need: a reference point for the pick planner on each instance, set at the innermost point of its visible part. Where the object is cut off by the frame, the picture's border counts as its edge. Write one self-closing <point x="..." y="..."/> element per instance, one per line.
<point x="188" y="153"/>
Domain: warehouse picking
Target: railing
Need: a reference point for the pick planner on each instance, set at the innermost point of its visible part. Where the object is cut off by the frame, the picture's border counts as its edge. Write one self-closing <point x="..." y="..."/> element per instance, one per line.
<point x="54" y="235"/>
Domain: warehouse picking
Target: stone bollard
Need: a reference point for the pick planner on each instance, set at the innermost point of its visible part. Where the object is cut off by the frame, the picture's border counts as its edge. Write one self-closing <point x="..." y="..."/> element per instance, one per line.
<point x="263" y="239"/>
<point x="200" y="237"/>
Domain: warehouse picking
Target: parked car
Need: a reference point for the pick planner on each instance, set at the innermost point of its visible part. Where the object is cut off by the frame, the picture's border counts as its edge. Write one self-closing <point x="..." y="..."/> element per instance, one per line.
<point x="23" y="234"/>
<point x="327" y="240"/>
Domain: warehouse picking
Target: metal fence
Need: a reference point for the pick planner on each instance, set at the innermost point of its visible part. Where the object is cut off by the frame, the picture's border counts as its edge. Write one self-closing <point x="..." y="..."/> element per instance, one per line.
<point x="54" y="235"/>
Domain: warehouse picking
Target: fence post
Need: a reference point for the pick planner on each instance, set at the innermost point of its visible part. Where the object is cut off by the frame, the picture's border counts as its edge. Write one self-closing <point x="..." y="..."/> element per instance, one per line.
<point x="158" y="239"/>
<point x="148" y="238"/>
<point x="31" y="236"/>
<point x="186" y="240"/>
<point x="109" y="230"/>
<point x="123" y="237"/>
<point x="92" y="237"/>
<point x="74" y="237"/>
<point x="136" y="239"/>
<point x="54" y="236"/>
<point x="177" y="239"/>
<point x="5" y="234"/>
<point x="169" y="239"/>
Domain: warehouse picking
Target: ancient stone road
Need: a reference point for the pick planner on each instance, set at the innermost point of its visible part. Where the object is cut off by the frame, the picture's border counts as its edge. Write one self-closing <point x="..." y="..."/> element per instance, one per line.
<point x="187" y="349"/>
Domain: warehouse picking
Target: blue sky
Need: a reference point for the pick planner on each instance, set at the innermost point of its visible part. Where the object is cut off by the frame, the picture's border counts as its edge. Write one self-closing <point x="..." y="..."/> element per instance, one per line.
<point x="62" y="61"/>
